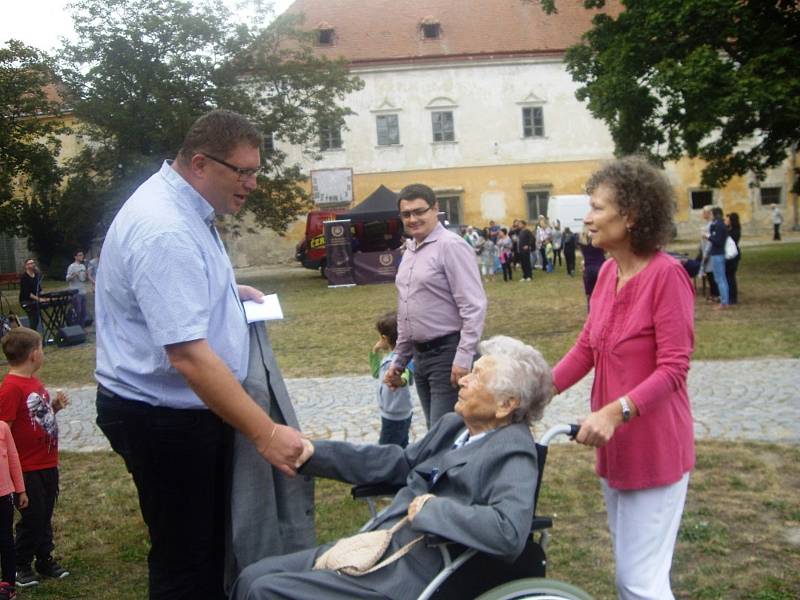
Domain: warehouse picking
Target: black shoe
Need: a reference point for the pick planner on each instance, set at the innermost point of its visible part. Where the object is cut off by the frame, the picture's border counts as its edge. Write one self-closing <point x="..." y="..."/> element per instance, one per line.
<point x="26" y="577"/>
<point x="50" y="568"/>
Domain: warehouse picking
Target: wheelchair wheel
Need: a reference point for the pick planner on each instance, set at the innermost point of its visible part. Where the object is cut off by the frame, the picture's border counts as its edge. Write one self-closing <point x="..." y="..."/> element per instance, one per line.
<point x="536" y="589"/>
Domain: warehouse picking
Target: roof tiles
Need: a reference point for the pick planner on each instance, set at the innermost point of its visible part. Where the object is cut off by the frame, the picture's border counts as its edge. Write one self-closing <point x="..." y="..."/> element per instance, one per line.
<point x="390" y="30"/>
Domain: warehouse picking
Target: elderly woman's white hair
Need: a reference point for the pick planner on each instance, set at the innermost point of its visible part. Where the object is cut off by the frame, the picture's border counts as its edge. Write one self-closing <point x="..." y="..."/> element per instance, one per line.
<point x="521" y="372"/>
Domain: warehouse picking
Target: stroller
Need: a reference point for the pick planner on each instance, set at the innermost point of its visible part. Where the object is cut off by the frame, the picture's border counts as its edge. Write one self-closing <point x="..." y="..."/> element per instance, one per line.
<point x="468" y="573"/>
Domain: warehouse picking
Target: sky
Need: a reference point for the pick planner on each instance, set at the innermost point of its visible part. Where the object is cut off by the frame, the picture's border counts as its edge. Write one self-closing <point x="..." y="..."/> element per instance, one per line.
<point x="41" y="23"/>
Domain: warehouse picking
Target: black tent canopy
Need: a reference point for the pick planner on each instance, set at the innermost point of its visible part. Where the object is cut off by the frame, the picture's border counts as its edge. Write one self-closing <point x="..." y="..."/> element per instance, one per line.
<point x="380" y="205"/>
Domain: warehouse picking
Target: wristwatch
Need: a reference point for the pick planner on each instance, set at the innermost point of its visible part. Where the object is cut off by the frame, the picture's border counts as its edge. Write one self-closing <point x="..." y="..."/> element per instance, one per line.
<point x="626" y="410"/>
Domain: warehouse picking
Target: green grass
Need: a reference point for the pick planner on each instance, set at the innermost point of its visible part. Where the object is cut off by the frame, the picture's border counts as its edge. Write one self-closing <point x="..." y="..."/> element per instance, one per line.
<point x="742" y="523"/>
<point x="734" y="542"/>
<point x="327" y="332"/>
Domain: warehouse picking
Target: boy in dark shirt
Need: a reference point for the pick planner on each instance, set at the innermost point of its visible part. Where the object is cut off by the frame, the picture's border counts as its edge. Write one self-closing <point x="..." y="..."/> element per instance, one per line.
<point x="25" y="404"/>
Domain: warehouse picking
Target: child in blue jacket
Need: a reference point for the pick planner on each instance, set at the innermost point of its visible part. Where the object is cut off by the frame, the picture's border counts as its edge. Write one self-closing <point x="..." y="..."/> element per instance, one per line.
<point x="395" y="405"/>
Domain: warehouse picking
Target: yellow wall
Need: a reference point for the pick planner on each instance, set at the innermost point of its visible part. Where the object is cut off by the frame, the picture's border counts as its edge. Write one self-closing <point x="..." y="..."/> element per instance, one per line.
<point x="493" y="192"/>
<point x="685" y="177"/>
<point x="505" y="187"/>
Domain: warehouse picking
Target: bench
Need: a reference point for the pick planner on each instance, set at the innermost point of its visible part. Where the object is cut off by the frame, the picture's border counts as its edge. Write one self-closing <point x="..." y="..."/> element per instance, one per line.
<point x="10" y="280"/>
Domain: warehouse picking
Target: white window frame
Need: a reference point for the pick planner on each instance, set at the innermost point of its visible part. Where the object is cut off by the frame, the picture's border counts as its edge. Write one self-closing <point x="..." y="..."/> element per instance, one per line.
<point x="442" y="131"/>
<point x="534" y="109"/>
<point x="378" y="119"/>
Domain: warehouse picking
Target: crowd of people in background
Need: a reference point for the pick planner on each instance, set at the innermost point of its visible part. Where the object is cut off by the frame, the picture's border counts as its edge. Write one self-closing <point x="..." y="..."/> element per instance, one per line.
<point x="546" y="246"/>
<point x="541" y="245"/>
<point x="719" y="255"/>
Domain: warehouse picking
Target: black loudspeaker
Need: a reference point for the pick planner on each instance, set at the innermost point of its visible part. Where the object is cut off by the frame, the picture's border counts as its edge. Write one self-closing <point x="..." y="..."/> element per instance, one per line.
<point x="70" y="335"/>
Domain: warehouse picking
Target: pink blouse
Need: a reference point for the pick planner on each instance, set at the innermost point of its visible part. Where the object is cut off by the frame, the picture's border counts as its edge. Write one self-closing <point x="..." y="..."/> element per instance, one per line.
<point x="639" y="342"/>
<point x="10" y="469"/>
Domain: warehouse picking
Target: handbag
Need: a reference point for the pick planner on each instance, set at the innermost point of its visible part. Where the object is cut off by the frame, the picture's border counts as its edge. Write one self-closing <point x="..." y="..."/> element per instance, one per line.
<point x="359" y="554"/>
<point x="731" y="251"/>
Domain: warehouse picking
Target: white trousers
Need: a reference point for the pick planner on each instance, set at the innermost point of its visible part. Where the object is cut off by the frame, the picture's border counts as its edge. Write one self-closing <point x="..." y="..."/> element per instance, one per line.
<point x="644" y="525"/>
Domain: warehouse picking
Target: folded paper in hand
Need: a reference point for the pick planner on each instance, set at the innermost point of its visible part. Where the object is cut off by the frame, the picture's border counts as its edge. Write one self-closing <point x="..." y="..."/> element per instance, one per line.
<point x="267" y="310"/>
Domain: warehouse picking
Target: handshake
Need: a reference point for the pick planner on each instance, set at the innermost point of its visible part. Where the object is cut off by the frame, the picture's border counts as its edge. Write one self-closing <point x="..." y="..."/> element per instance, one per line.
<point x="308" y="452"/>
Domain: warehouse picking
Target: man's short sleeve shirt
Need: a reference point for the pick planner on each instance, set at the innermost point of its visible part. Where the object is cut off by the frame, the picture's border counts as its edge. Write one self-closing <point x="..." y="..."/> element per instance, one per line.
<point x="166" y="279"/>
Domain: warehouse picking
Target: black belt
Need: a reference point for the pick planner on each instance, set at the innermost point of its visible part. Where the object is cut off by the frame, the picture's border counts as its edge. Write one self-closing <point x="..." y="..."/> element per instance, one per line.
<point x="437" y="342"/>
<point x="105" y="392"/>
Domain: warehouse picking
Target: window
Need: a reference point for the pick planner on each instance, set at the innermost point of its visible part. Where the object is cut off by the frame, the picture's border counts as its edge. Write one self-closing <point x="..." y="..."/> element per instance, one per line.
<point x="770" y="195"/>
<point x="532" y="121"/>
<point x="701" y="198"/>
<point x="443" y="130"/>
<point x="325" y="37"/>
<point x="537" y="203"/>
<point x="452" y="206"/>
<point x="330" y="138"/>
<point x="431" y="31"/>
<point x="388" y="130"/>
<point x="269" y="143"/>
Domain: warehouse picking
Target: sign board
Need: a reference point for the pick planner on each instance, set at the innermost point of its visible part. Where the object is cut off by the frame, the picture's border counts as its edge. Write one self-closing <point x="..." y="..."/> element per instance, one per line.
<point x="332" y="186"/>
<point x="338" y="253"/>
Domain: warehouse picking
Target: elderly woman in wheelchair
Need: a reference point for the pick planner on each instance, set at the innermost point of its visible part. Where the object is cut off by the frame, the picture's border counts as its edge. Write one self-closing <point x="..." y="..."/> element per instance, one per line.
<point x="471" y="479"/>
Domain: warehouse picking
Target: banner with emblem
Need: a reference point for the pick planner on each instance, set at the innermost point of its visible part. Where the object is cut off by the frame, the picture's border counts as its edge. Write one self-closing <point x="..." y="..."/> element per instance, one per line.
<point x="338" y="253"/>
<point x="376" y="267"/>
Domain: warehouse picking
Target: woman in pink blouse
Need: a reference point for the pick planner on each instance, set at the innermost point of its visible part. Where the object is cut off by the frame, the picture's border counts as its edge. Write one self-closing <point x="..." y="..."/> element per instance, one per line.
<point x="638" y="337"/>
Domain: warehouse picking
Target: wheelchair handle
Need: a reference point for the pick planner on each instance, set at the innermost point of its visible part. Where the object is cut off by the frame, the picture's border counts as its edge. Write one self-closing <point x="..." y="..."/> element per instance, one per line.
<point x="570" y="430"/>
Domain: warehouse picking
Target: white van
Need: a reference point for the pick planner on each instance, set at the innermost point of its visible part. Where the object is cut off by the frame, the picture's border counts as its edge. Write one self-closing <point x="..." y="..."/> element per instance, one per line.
<point x="569" y="210"/>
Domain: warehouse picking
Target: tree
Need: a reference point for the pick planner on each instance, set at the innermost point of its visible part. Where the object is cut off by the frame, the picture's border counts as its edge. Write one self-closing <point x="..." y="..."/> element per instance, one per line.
<point x="30" y="176"/>
<point x="143" y="70"/>
<point x="714" y="79"/>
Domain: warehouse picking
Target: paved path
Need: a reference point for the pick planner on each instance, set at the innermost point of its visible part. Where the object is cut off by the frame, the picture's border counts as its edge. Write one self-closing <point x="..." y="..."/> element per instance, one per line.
<point x="743" y="399"/>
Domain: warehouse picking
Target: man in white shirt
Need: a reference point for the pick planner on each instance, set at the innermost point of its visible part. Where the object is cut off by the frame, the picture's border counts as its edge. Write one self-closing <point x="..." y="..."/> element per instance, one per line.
<point x="172" y="349"/>
<point x="76" y="280"/>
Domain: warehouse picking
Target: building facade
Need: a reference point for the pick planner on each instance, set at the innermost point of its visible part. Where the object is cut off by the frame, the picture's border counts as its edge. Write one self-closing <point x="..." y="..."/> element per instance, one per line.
<point x="472" y="98"/>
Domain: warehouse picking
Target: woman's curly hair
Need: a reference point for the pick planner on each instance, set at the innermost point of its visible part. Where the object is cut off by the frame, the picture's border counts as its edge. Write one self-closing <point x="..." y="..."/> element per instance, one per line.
<point x="642" y="192"/>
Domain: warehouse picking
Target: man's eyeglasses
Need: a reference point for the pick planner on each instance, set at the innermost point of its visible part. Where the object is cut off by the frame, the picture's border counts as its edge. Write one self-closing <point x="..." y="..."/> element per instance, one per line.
<point x="244" y="174"/>
<point x="417" y="212"/>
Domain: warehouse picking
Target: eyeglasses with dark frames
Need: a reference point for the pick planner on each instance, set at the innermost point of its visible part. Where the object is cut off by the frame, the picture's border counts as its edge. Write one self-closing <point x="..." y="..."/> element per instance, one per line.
<point x="244" y="174"/>
<point x="417" y="212"/>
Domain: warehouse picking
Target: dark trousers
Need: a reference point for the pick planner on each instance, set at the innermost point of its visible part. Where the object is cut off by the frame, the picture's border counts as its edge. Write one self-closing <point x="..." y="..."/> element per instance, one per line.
<point x="432" y="370"/>
<point x="177" y="459"/>
<point x="525" y="260"/>
<point x="557" y="256"/>
<point x="79" y="304"/>
<point x="32" y="311"/>
<point x="8" y="562"/>
<point x="713" y="288"/>
<point x="776" y="232"/>
<point x="395" y="431"/>
<point x="35" y="528"/>
<point x="508" y="274"/>
<point x="731" y="266"/>
<point x="569" y="257"/>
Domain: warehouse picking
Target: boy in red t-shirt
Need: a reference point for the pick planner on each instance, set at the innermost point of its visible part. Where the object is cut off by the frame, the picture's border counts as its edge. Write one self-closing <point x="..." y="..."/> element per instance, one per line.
<point x="26" y="406"/>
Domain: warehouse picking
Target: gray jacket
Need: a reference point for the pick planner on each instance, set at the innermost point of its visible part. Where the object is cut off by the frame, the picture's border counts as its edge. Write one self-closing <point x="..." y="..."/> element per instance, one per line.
<point x="270" y="514"/>
<point x="484" y="495"/>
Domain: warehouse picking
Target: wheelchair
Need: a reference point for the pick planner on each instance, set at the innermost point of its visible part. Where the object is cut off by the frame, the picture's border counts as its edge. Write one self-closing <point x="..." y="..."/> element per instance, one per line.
<point x="468" y="573"/>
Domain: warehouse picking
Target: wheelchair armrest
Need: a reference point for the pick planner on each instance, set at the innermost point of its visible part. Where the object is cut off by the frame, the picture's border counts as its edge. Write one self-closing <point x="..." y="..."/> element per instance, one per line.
<point x="540" y="523"/>
<point x="369" y="490"/>
<point x="432" y="540"/>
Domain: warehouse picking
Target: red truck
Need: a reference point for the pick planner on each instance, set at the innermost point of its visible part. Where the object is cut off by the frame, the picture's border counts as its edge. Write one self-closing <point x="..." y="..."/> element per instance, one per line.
<point x="375" y="226"/>
<point x="311" y="250"/>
